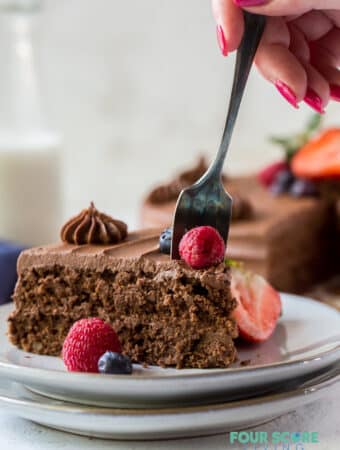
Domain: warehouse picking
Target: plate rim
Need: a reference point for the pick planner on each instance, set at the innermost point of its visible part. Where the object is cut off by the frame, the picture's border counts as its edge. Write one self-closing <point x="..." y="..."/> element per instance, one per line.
<point x="216" y="373"/>
<point x="313" y="386"/>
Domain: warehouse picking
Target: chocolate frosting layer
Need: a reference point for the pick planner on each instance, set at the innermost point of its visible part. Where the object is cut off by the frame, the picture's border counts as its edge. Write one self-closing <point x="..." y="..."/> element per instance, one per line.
<point x="137" y="245"/>
<point x="139" y="252"/>
<point x="93" y="227"/>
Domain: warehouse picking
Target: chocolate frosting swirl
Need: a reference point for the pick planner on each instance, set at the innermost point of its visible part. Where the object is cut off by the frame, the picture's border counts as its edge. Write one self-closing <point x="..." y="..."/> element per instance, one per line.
<point x="170" y="191"/>
<point x="165" y="192"/>
<point x="93" y="227"/>
<point x="189" y="177"/>
<point x="242" y="208"/>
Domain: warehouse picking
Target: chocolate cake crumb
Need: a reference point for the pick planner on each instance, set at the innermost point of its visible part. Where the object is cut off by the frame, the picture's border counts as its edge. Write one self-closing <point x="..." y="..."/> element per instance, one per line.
<point x="245" y="362"/>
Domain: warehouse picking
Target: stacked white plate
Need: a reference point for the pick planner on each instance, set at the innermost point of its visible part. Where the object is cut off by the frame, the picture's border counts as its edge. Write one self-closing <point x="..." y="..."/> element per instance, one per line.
<point x="295" y="366"/>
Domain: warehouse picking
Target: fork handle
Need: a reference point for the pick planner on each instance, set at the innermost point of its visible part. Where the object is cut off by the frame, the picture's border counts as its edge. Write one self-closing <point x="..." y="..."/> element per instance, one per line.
<point x="254" y="27"/>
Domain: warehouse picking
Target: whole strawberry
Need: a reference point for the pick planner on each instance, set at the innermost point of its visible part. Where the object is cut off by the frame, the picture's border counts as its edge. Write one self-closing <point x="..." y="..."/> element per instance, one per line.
<point x="202" y="247"/>
<point x="86" y="342"/>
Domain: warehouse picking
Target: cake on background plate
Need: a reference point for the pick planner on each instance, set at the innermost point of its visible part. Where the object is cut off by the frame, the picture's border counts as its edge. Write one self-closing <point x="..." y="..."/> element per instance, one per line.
<point x="283" y="227"/>
<point x="319" y="161"/>
<point x="287" y="240"/>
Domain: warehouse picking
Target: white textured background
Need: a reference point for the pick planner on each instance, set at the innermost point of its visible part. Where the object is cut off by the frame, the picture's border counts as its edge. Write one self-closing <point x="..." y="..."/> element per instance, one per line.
<point x="138" y="88"/>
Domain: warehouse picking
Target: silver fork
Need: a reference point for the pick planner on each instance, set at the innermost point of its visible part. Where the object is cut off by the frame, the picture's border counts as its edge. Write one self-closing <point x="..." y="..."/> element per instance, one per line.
<point x="206" y="202"/>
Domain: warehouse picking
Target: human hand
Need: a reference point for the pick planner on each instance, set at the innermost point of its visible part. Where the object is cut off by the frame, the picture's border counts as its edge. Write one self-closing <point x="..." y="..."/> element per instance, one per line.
<point x="300" y="49"/>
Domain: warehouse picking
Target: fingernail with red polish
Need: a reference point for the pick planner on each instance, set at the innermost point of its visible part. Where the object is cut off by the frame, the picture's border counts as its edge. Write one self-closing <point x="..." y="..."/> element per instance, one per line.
<point x="221" y="40"/>
<point x="335" y="92"/>
<point x="287" y="93"/>
<point x="243" y="3"/>
<point x="314" y="101"/>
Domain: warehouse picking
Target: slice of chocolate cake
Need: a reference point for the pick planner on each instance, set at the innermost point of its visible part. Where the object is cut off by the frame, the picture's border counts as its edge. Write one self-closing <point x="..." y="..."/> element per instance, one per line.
<point x="164" y="312"/>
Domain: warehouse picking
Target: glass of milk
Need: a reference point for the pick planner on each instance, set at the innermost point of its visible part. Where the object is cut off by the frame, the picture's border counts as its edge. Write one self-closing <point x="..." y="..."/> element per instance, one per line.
<point x="30" y="184"/>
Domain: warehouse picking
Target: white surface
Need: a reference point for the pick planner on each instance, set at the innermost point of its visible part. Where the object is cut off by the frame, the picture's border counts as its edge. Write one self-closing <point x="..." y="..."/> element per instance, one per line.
<point x="294" y="350"/>
<point x="170" y="423"/>
<point x="322" y="416"/>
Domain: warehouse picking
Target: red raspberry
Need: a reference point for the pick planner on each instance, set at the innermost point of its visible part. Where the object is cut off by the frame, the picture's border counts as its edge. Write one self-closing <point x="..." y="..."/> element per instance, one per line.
<point x="267" y="175"/>
<point x="86" y="342"/>
<point x="202" y="247"/>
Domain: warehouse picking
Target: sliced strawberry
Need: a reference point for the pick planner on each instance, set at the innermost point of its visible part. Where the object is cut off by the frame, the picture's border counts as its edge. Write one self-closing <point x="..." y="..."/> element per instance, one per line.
<point x="258" y="305"/>
<point x="320" y="158"/>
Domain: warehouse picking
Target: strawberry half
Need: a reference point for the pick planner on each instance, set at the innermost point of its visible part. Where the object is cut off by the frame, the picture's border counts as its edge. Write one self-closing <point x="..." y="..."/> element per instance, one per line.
<point x="320" y="158"/>
<point x="258" y="305"/>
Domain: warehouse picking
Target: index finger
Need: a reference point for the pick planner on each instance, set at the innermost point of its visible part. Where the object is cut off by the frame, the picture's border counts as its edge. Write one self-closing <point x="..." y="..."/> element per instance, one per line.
<point x="230" y="18"/>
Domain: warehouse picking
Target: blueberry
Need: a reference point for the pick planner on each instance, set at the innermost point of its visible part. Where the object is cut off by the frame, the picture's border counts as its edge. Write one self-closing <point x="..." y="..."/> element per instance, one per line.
<point x="282" y="182"/>
<point x="303" y="188"/>
<point x="115" y="363"/>
<point x="165" y="241"/>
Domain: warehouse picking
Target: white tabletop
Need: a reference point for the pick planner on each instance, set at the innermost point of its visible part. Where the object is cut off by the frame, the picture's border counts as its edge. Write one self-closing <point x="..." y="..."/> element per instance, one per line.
<point x="322" y="417"/>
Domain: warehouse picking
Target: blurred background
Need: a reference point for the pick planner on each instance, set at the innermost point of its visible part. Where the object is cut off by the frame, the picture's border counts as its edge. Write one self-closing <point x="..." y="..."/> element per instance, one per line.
<point x="135" y="90"/>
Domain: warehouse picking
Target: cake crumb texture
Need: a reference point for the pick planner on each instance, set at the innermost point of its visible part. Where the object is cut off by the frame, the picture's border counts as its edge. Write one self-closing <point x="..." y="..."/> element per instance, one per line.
<point x="165" y="313"/>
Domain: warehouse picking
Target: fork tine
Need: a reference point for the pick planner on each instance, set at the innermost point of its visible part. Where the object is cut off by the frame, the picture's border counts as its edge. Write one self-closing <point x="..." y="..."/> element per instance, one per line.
<point x="200" y="205"/>
<point x="179" y="227"/>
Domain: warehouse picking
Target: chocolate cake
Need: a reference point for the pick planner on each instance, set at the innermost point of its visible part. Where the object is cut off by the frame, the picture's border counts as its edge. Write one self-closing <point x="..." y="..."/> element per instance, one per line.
<point x="164" y="312"/>
<point x="285" y="239"/>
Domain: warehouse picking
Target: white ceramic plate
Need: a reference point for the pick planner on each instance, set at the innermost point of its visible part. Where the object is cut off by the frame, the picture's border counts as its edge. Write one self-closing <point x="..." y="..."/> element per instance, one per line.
<point x="306" y="341"/>
<point x="137" y="424"/>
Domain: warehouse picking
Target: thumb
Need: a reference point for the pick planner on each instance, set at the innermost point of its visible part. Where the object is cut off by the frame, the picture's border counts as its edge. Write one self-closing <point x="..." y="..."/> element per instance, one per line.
<point x="285" y="7"/>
